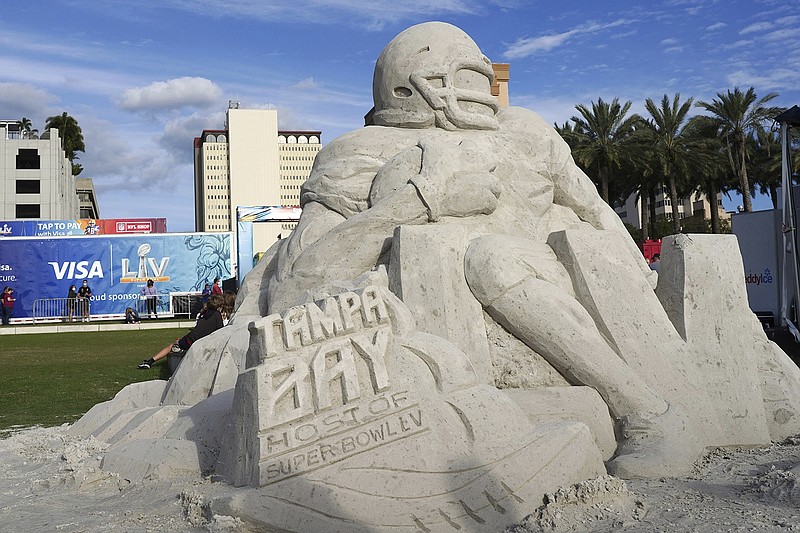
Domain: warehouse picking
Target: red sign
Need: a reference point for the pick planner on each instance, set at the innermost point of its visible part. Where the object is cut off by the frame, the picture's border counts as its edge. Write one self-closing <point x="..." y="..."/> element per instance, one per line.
<point x="114" y="226"/>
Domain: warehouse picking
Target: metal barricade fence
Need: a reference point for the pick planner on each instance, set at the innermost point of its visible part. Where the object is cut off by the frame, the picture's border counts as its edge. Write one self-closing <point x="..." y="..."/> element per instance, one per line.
<point x="172" y="304"/>
<point x="161" y="305"/>
<point x="57" y="308"/>
<point x="167" y="305"/>
<point x="185" y="303"/>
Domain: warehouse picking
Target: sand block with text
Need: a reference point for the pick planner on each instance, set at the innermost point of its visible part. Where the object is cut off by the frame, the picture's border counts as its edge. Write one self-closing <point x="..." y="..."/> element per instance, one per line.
<point x="349" y="419"/>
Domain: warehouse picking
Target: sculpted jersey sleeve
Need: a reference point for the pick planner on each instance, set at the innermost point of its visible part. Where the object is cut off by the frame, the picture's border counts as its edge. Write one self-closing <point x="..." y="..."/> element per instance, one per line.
<point x="337" y="190"/>
<point x="343" y="173"/>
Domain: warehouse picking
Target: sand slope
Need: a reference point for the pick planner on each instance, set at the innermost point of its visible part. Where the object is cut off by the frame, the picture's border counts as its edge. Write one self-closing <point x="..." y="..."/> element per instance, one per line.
<point x="53" y="482"/>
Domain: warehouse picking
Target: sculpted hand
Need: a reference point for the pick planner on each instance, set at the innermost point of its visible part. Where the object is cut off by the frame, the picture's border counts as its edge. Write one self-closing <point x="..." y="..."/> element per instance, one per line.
<point x="456" y="179"/>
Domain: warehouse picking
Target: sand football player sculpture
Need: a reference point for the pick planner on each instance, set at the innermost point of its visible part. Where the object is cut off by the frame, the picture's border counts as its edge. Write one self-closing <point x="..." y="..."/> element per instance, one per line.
<point x="443" y="248"/>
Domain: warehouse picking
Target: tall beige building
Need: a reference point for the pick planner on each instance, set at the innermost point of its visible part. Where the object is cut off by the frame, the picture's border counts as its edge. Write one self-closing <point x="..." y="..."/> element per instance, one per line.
<point x="296" y="151"/>
<point x="250" y="163"/>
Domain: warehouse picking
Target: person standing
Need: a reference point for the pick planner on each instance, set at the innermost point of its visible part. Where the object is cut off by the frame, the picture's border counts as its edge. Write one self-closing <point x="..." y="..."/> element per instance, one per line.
<point x="8" y="305"/>
<point x="205" y="294"/>
<point x="216" y="289"/>
<point x="200" y="304"/>
<point x="84" y="294"/>
<point x="150" y="294"/>
<point x="72" y="297"/>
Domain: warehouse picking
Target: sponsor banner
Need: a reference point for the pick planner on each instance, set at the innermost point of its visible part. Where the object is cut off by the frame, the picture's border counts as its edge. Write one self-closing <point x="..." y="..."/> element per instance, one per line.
<point x="84" y="226"/>
<point x="115" y="267"/>
<point x="273" y="213"/>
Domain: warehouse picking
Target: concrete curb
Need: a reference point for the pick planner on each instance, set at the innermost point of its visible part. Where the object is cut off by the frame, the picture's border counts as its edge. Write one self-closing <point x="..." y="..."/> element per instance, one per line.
<point x="100" y="326"/>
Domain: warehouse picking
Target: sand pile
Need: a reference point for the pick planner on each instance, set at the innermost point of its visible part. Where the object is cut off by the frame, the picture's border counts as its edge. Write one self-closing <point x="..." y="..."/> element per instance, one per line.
<point x="53" y="482"/>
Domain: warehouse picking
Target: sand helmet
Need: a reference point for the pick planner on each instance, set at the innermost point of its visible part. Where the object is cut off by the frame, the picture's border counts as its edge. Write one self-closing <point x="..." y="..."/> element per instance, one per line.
<point x="433" y="74"/>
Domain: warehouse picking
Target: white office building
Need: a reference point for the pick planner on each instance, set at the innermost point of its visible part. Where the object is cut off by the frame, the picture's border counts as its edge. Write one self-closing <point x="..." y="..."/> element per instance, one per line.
<point x="36" y="179"/>
<point x="696" y="204"/>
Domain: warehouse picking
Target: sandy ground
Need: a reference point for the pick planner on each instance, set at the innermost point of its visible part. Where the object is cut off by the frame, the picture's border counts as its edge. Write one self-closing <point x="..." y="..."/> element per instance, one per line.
<point x="53" y="482"/>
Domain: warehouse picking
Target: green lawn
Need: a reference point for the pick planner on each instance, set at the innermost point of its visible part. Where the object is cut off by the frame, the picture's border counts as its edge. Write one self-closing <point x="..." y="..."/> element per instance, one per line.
<point x="48" y="379"/>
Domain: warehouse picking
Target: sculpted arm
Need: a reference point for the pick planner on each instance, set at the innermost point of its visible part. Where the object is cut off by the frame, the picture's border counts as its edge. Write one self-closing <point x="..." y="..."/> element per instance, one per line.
<point x="575" y="190"/>
<point x="332" y="247"/>
<point x="417" y="186"/>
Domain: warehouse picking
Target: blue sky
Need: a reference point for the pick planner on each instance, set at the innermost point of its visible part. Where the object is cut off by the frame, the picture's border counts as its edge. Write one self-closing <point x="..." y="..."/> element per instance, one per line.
<point x="144" y="78"/>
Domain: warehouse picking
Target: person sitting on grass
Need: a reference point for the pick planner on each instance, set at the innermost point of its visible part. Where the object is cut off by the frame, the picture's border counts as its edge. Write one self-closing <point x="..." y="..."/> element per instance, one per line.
<point x="131" y="316"/>
<point x="208" y="321"/>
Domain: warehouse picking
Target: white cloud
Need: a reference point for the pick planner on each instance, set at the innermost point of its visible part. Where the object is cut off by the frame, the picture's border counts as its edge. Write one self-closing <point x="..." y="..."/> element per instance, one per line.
<point x="771" y="80"/>
<point x="758" y="26"/>
<point x="179" y="132"/>
<point x="60" y="76"/>
<point x="22" y="99"/>
<point x="305" y="84"/>
<point x="792" y="19"/>
<point x="22" y="42"/>
<point x="782" y="35"/>
<point x="376" y="14"/>
<point x="716" y="26"/>
<point x="528" y="46"/>
<point x="171" y="94"/>
<point x="737" y="44"/>
<point x="670" y="41"/>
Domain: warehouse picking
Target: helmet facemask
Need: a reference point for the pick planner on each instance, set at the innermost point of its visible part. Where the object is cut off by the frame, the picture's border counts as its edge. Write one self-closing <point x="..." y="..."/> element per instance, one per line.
<point x="434" y="75"/>
<point x="456" y="96"/>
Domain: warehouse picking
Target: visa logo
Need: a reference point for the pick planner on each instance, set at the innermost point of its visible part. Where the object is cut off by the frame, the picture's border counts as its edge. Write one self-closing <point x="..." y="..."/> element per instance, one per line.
<point x="76" y="270"/>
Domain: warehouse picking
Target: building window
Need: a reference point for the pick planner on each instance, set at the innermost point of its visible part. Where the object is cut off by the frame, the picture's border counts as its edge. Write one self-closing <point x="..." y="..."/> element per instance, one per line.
<point x="28" y="211"/>
<point x="28" y="159"/>
<point x="29" y="187"/>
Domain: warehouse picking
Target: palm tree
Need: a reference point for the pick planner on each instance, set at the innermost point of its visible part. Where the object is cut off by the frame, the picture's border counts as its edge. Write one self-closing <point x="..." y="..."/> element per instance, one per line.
<point x="71" y="137"/>
<point x="602" y="140"/>
<point x="715" y="176"/>
<point x="646" y="181"/>
<point x="70" y="132"/>
<point x="25" y="126"/>
<point x="675" y="154"/>
<point x="765" y="163"/>
<point x="740" y="115"/>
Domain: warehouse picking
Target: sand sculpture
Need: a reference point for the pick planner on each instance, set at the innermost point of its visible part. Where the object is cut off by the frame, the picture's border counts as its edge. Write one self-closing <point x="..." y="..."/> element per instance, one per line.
<point x="445" y="250"/>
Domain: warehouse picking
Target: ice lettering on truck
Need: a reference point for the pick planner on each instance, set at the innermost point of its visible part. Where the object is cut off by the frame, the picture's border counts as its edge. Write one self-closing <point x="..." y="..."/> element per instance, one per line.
<point x="759" y="279"/>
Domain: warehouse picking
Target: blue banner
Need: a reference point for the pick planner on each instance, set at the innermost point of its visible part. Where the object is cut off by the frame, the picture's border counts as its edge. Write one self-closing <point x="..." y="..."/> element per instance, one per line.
<point x="116" y="267"/>
<point x="244" y="244"/>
